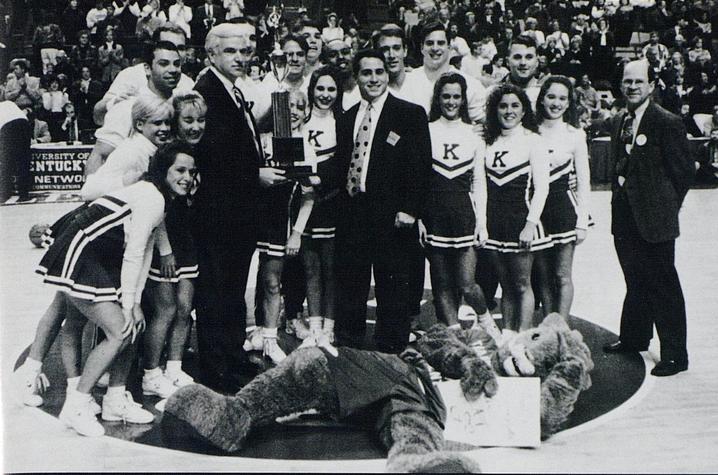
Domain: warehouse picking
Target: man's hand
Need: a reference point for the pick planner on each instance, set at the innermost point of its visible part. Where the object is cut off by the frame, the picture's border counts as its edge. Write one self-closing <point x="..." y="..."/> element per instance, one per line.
<point x="580" y="235"/>
<point x="269" y="176"/>
<point x="404" y="220"/>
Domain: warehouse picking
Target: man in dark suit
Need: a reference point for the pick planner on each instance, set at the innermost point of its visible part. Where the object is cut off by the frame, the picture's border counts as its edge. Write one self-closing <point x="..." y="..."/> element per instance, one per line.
<point x="229" y="158"/>
<point x="383" y="163"/>
<point x="652" y="176"/>
<point x="206" y="17"/>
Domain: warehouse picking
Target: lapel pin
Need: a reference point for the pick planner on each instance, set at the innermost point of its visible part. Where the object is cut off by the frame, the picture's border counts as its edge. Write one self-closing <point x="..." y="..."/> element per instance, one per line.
<point x="641" y="140"/>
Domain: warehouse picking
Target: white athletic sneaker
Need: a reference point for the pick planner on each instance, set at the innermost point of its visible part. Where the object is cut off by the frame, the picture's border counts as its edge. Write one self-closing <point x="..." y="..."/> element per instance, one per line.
<point x="81" y="418"/>
<point x="329" y="334"/>
<point x="124" y="408"/>
<point x="274" y="352"/>
<point x="159" y="385"/>
<point x="254" y="341"/>
<point x="29" y="386"/>
<point x="298" y="328"/>
<point x="179" y="378"/>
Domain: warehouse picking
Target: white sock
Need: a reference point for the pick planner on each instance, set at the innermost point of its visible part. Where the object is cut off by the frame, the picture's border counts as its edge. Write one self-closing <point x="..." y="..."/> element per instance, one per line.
<point x="328" y="325"/>
<point x="174" y="366"/>
<point x="315" y="323"/>
<point x="153" y="373"/>
<point x="115" y="392"/>
<point x="269" y="332"/>
<point x="76" y="397"/>
<point x="72" y="383"/>
<point x="32" y="365"/>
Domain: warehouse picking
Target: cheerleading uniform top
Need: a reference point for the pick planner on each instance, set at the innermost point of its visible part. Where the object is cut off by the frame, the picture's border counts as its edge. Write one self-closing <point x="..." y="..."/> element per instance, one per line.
<point x="457" y="163"/>
<point x="517" y="170"/>
<point x="568" y="153"/>
<point x="320" y="133"/>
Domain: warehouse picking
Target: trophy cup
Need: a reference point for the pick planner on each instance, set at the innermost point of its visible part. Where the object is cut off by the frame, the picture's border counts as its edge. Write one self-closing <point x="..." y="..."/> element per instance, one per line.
<point x="288" y="151"/>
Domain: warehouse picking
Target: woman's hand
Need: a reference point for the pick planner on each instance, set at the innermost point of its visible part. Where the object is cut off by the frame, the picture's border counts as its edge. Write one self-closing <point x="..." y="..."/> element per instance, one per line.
<point x="294" y="243"/>
<point x="422" y="233"/>
<point x="527" y="235"/>
<point x="139" y="319"/>
<point x="481" y="236"/>
<point x="128" y="325"/>
<point x="168" y="266"/>
<point x="580" y="235"/>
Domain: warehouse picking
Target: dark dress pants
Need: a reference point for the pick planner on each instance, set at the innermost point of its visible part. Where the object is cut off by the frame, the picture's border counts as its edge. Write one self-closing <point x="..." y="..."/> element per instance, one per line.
<point x="364" y="242"/>
<point x="653" y="289"/>
<point x="221" y="309"/>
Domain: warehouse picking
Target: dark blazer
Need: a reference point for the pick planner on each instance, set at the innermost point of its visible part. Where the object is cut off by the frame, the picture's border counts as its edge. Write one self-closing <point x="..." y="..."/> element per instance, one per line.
<point x="200" y="15"/>
<point x="659" y="173"/>
<point x="398" y="173"/>
<point x="228" y="163"/>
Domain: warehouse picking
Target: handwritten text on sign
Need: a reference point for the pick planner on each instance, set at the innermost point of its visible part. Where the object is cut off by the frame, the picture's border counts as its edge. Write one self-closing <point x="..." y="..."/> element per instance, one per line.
<point x="58" y="167"/>
<point x="512" y="418"/>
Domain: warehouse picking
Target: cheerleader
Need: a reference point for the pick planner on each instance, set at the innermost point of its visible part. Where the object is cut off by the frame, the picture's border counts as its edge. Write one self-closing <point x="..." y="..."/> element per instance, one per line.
<point x="151" y="118"/>
<point x="454" y="218"/>
<point x="317" y="251"/>
<point x="565" y="216"/>
<point x="518" y="181"/>
<point x="172" y="275"/>
<point x="279" y="238"/>
<point x="98" y="263"/>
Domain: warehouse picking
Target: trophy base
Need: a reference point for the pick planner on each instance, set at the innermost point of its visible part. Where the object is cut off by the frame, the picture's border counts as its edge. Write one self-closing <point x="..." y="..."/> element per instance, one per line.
<point x="295" y="172"/>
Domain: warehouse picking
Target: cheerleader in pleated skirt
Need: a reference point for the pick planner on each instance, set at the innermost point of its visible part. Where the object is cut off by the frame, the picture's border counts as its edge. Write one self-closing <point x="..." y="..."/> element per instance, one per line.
<point x="565" y="215"/>
<point x="518" y="180"/>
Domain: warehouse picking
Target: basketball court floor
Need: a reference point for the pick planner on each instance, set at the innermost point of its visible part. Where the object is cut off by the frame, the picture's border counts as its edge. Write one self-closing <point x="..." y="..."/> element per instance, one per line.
<point x="666" y="425"/>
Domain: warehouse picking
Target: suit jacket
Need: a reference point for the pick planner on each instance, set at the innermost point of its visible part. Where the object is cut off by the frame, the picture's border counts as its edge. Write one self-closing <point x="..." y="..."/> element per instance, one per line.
<point x="228" y="162"/>
<point x="400" y="159"/>
<point x="659" y="173"/>
<point x="200" y="15"/>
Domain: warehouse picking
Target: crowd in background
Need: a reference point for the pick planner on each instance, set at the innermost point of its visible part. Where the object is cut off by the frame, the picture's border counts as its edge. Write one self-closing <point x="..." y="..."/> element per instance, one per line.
<point x="79" y="47"/>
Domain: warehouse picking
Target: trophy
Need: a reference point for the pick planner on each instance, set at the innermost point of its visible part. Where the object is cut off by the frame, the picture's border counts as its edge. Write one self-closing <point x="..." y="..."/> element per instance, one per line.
<point x="288" y="151"/>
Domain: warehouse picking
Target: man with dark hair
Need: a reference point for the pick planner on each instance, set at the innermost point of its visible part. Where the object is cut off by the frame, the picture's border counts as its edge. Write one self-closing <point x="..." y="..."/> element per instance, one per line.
<point x="163" y="72"/>
<point x="295" y="51"/>
<point x="419" y="84"/>
<point x="312" y="34"/>
<point x="522" y="60"/>
<point x="382" y="165"/>
<point x="652" y="175"/>
<point x="339" y="54"/>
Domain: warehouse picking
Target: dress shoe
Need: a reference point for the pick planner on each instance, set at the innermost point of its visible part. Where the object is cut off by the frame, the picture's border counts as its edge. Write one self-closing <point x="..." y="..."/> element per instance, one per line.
<point x="620" y="347"/>
<point x="669" y="367"/>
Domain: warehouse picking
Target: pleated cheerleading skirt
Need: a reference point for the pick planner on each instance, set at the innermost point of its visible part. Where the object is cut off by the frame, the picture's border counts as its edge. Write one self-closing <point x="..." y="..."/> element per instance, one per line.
<point x="85" y="251"/>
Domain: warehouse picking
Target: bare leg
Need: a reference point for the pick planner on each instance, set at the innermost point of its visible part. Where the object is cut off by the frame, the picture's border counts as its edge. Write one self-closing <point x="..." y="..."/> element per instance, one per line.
<point x="544" y="269"/>
<point x="564" y="279"/>
<point x="508" y="297"/>
<point x="180" y="328"/>
<point x="465" y="271"/>
<point x="108" y="316"/>
<point x="443" y="287"/>
<point x="270" y="277"/>
<point x="165" y="309"/>
<point x="71" y="342"/>
<point x="313" y="272"/>
<point x="48" y="327"/>
<point x="329" y="294"/>
<point x="519" y="271"/>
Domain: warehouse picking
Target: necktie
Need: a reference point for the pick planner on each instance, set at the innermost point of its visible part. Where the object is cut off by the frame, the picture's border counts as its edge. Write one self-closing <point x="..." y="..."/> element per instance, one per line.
<point x="361" y="149"/>
<point x="627" y="143"/>
<point x="239" y="97"/>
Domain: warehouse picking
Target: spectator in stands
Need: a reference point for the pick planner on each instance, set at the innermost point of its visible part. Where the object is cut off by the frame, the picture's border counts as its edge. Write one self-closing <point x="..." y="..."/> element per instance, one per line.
<point x="703" y="96"/>
<point x="151" y="18"/>
<point x="111" y="58"/>
<point x="332" y="31"/>
<point x="675" y="95"/>
<point x="602" y="51"/>
<point x="53" y="100"/>
<point x="181" y="15"/>
<point x="110" y="22"/>
<point x="313" y="36"/>
<point x="69" y="129"/>
<point x="234" y="9"/>
<point x="95" y="16"/>
<point x="532" y="31"/>
<point x="48" y="40"/>
<point x="21" y="88"/>
<point x="40" y="130"/>
<point x="707" y="160"/>
<point x="204" y="18"/>
<point x="127" y="12"/>
<point x="295" y="52"/>
<point x="689" y="121"/>
<point x="587" y="96"/>
<point x="72" y="21"/>
<point x="698" y="53"/>
<point x="191" y="63"/>
<point x="523" y="61"/>
<point x="623" y="22"/>
<point x="458" y="47"/>
<point x="63" y="66"/>
<point x="84" y="53"/>
<point x="561" y="38"/>
<point x="661" y="49"/>
<point x="474" y="64"/>
<point x="84" y="93"/>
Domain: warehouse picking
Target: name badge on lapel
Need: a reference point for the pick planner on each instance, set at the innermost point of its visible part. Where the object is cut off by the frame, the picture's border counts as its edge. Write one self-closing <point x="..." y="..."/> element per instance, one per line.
<point x="392" y="138"/>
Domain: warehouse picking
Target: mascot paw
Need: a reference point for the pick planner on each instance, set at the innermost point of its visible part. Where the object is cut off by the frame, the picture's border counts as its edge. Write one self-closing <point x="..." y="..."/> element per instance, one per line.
<point x="221" y="420"/>
<point x="478" y="379"/>
<point x="433" y="462"/>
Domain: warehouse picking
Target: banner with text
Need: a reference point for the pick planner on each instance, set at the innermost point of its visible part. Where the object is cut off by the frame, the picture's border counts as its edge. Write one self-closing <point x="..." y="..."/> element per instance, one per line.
<point x="58" y="167"/>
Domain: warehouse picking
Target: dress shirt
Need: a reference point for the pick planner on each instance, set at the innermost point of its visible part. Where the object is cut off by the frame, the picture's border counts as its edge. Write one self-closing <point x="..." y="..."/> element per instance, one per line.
<point x="376" y="109"/>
